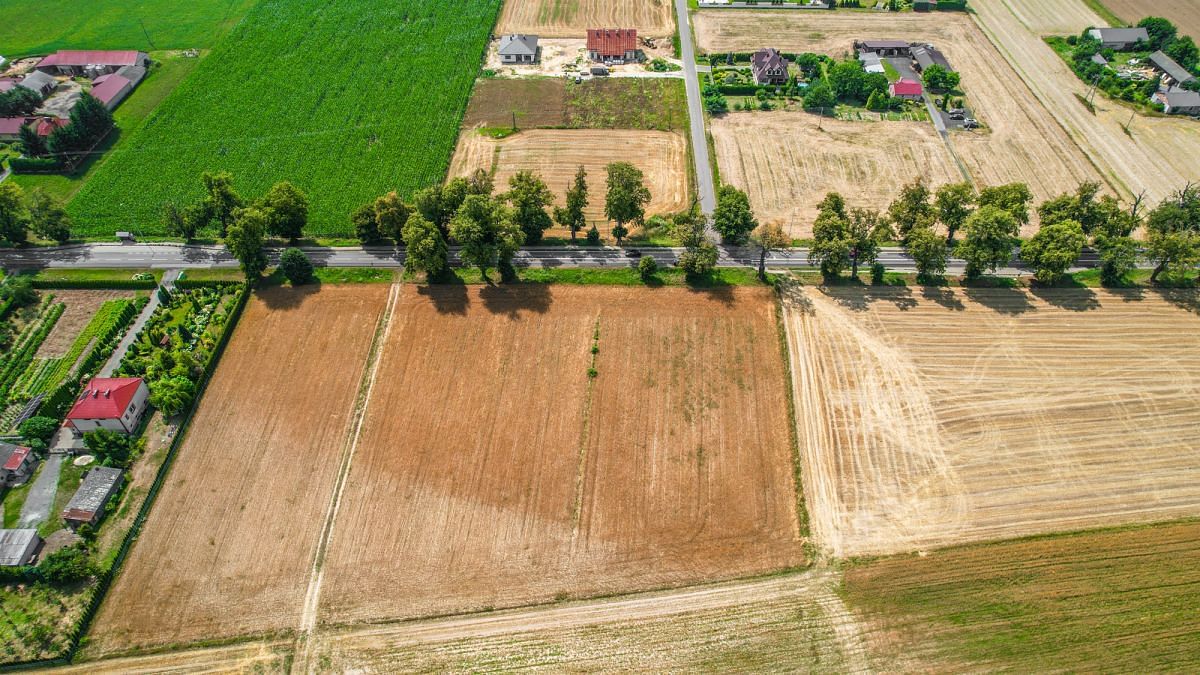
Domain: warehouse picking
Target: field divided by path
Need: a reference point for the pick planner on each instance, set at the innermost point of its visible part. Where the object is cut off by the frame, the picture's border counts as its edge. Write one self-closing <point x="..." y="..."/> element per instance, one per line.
<point x="227" y="549"/>
<point x="930" y="417"/>
<point x="347" y="100"/>
<point x="492" y="471"/>
<point x="44" y="26"/>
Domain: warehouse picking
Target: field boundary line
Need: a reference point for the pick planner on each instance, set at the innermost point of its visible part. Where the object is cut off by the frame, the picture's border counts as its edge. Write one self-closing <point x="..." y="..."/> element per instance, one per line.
<point x="585" y="434"/>
<point x="800" y="521"/>
<point x="308" y="616"/>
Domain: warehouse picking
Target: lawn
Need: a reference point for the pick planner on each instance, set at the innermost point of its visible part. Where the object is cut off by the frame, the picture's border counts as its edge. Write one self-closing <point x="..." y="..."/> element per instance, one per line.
<point x="168" y="71"/>
<point x="74" y="275"/>
<point x="359" y="98"/>
<point x="43" y="26"/>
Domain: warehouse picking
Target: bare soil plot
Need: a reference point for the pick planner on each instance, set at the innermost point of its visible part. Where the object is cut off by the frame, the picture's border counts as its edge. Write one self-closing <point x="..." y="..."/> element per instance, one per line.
<point x="492" y="471"/>
<point x="572" y="18"/>
<point x="81" y="306"/>
<point x="787" y="165"/>
<point x="1183" y="13"/>
<point x="556" y="154"/>
<point x="1114" y="601"/>
<point x="1022" y="141"/>
<point x="931" y="417"/>
<point x="616" y="103"/>
<point x="228" y="548"/>
<point x="1156" y="156"/>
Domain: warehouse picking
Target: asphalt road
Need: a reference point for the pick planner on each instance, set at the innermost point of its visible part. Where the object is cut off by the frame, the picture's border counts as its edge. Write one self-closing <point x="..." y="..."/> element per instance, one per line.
<point x="177" y="256"/>
<point x="687" y="51"/>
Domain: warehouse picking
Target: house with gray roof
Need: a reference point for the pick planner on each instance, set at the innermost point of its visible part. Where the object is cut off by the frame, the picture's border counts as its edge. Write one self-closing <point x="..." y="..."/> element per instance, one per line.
<point x="1120" y="39"/>
<point x="91" y="499"/>
<point x="17" y="547"/>
<point x="518" y="48"/>
<point x="1170" y="68"/>
<point x="1177" y="101"/>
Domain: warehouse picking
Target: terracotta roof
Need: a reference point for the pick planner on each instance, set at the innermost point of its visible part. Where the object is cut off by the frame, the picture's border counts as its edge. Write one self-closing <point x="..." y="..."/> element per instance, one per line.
<point x="47" y="125"/>
<point x="905" y="87"/>
<point x="16" y="458"/>
<point x="69" y="57"/>
<point x="612" y="41"/>
<point x="11" y="126"/>
<point x="105" y="398"/>
<point x="108" y="89"/>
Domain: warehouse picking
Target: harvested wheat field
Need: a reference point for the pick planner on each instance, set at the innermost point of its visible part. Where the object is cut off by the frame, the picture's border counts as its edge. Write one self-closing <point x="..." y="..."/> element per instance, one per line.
<point x="1156" y="156"/>
<point x="81" y="306"/>
<point x="556" y="154"/>
<point x="1183" y="13"/>
<point x="572" y="18"/>
<point x="932" y="417"/>
<point x="1056" y="17"/>
<point x="493" y="472"/>
<point x="786" y="164"/>
<point x="1022" y="141"/>
<point x="228" y="548"/>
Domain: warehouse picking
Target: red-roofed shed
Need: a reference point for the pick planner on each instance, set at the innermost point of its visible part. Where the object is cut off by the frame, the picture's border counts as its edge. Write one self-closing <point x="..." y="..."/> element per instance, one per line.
<point x="16" y="464"/>
<point x="111" y="90"/>
<point x="113" y="403"/>
<point x="612" y="44"/>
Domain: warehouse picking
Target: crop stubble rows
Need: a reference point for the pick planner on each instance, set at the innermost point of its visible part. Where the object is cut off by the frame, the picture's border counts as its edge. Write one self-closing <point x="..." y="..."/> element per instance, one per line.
<point x="947" y="417"/>
<point x="571" y="18"/>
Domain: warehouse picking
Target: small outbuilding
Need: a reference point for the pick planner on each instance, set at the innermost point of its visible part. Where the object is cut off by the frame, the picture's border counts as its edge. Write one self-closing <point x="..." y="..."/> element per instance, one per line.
<point x="88" y="504"/>
<point x="1173" y="73"/>
<point x="1120" y="39"/>
<point x="1099" y="59"/>
<point x="113" y="403"/>
<point x="884" y="47"/>
<point x="39" y="82"/>
<point x="871" y="62"/>
<point x="518" y="48"/>
<point x="924" y="5"/>
<point x="16" y="464"/>
<point x="925" y="56"/>
<point x="769" y="67"/>
<point x="111" y="89"/>
<point x="613" y="45"/>
<point x="907" y="89"/>
<point x="17" y="547"/>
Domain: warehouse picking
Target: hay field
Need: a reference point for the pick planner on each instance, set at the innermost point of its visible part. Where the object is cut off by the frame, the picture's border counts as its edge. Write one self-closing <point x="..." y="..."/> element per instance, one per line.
<point x="1183" y="13"/>
<point x="1022" y="141"/>
<point x="556" y="154"/>
<point x="1056" y="17"/>
<point x="1157" y="156"/>
<point x="932" y="417"/>
<point x="493" y="472"/>
<point x="572" y="18"/>
<point x="228" y="548"/>
<point x="786" y="165"/>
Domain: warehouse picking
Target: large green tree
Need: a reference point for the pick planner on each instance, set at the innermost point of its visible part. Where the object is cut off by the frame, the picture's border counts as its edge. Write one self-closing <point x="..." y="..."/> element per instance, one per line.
<point x="529" y="197"/>
<point x="245" y="240"/>
<point x="939" y="79"/>
<point x="220" y="199"/>
<point x="287" y="211"/>
<point x="955" y="202"/>
<point x="572" y="215"/>
<point x="988" y="240"/>
<point x="172" y="395"/>
<point x="47" y="217"/>
<point x="1054" y="249"/>
<point x="425" y="248"/>
<point x="1173" y="233"/>
<point x="391" y="213"/>
<point x="484" y="228"/>
<point x="14" y="214"/>
<point x="700" y="255"/>
<point x="1013" y="198"/>
<point x="733" y="218"/>
<point x="627" y="196"/>
<point x="1162" y="32"/>
<point x="296" y="267"/>
<point x="832" y="245"/>
<point x="912" y="208"/>
<point x="929" y="251"/>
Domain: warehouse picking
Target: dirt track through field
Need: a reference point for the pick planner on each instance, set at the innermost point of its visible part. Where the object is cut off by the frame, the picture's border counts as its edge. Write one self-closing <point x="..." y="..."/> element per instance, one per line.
<point x="1158" y="155"/>
<point x="492" y="471"/>
<point x="1022" y="141"/>
<point x="932" y="417"/>
<point x="1183" y="13"/>
<point x="228" y="547"/>
<point x="556" y="154"/>
<point x="787" y="165"/>
<point x="556" y="18"/>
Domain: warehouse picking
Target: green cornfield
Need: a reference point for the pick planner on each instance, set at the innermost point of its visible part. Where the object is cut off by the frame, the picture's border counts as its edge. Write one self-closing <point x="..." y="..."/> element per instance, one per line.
<point x="345" y="99"/>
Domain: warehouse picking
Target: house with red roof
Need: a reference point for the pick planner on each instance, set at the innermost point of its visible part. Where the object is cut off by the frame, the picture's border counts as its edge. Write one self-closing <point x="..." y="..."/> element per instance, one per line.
<point x="613" y="45"/>
<point x="91" y="63"/>
<point x="16" y="464"/>
<point x="10" y="127"/>
<point x="48" y="125"/>
<point x="906" y="89"/>
<point x="113" y="403"/>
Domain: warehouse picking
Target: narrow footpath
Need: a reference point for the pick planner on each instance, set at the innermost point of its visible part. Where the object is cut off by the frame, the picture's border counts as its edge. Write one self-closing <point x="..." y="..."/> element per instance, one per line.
<point x="114" y="361"/>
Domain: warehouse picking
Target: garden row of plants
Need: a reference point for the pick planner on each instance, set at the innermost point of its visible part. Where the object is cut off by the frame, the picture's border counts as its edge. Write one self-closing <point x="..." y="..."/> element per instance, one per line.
<point x="27" y="345"/>
<point x="42" y="375"/>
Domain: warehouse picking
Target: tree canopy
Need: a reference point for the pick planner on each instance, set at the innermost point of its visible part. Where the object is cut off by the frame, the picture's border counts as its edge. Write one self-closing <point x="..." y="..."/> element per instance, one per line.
<point x="484" y="228"/>
<point x="1054" y="249"/>
<point x="529" y="197"/>
<point x="627" y="196"/>
<point x="287" y="211"/>
<point x="296" y="267"/>
<point x="733" y="217"/>
<point x="425" y="247"/>
<point x="988" y="241"/>
<point x="245" y="239"/>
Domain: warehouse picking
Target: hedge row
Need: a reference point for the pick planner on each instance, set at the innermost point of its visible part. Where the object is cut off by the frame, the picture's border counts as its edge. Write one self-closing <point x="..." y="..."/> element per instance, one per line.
<point x="192" y="284"/>
<point x="34" y="165"/>
<point x="97" y="284"/>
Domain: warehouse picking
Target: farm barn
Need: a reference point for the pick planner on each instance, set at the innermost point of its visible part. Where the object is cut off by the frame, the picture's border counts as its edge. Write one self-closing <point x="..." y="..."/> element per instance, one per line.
<point x="90" y="500"/>
<point x="116" y="404"/>
<point x="91" y="63"/>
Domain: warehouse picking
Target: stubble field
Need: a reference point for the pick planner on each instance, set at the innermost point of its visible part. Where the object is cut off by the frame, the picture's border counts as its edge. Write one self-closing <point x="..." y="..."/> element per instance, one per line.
<point x="1056" y="17"/>
<point x="556" y="154"/>
<point x="786" y="165"/>
<point x="228" y="547"/>
<point x="1022" y="141"/>
<point x="944" y="416"/>
<point x="492" y="471"/>
<point x="1183" y="13"/>
<point x="572" y="18"/>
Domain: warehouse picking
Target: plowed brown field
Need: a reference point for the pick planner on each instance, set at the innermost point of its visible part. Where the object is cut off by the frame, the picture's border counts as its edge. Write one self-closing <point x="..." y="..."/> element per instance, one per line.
<point x="786" y="165"/>
<point x="1022" y="142"/>
<point x="572" y="18"/>
<point x="939" y="416"/>
<point x="556" y="154"/>
<point x="492" y="471"/>
<point x="1183" y="13"/>
<point x="228" y="547"/>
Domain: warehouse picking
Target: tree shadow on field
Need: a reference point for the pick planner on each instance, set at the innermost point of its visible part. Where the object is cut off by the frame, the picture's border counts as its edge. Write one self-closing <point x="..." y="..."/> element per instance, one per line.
<point x="1071" y="296"/>
<point x="448" y="295"/>
<point x="943" y="296"/>
<point x="1000" y="299"/>
<point x="856" y="296"/>
<point x="279" y="298"/>
<point x="513" y="298"/>
<point x="1183" y="298"/>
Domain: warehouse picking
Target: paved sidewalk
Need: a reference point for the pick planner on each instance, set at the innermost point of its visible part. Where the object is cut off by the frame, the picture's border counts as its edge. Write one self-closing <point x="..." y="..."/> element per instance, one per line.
<point x="36" y="509"/>
<point x="118" y="354"/>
